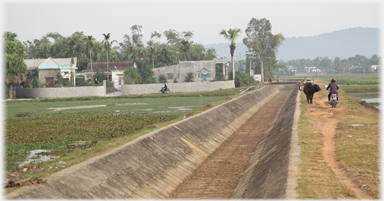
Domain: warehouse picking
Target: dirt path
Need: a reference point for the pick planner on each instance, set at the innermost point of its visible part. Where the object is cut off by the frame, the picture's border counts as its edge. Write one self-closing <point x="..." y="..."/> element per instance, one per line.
<point x="328" y="129"/>
<point x="218" y="176"/>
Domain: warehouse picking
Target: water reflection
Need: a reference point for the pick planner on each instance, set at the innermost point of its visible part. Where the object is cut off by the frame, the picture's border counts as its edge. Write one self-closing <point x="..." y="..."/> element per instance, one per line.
<point x="34" y="157"/>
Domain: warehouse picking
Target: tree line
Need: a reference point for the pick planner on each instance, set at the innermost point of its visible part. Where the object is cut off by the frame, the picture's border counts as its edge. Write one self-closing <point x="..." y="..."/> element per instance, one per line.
<point x="356" y="64"/>
<point x="178" y="46"/>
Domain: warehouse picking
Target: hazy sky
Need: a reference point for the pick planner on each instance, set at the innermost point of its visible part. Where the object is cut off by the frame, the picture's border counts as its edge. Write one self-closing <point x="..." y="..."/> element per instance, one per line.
<point x="34" y="19"/>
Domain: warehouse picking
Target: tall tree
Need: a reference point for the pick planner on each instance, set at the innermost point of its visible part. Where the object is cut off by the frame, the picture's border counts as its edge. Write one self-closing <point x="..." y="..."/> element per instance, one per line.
<point x="261" y="42"/>
<point x="184" y="48"/>
<point x="90" y="47"/>
<point x="172" y="36"/>
<point x="107" y="46"/>
<point x="136" y="35"/>
<point x="15" y="67"/>
<point x="232" y="35"/>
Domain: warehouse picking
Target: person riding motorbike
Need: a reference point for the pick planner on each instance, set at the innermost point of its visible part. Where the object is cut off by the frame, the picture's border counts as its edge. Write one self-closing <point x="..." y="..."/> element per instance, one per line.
<point x="333" y="89"/>
<point x="270" y="80"/>
<point x="164" y="89"/>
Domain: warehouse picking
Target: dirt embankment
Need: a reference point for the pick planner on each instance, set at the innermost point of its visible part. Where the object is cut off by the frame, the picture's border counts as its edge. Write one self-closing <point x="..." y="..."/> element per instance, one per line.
<point x="326" y="122"/>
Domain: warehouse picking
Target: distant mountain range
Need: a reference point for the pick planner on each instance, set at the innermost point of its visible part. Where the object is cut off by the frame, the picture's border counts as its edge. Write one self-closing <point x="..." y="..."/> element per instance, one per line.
<point x="344" y="44"/>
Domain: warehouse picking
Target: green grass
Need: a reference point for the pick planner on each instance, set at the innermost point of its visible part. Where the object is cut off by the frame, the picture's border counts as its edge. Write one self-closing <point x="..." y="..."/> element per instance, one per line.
<point x="360" y="88"/>
<point x="111" y="106"/>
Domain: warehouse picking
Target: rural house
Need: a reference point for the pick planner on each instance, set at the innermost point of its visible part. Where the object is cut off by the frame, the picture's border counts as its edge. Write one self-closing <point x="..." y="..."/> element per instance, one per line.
<point x="115" y="71"/>
<point x="50" y="67"/>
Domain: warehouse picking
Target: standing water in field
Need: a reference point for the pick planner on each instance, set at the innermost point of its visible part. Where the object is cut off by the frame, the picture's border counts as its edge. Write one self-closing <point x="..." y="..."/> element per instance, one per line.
<point x="34" y="156"/>
<point x="368" y="97"/>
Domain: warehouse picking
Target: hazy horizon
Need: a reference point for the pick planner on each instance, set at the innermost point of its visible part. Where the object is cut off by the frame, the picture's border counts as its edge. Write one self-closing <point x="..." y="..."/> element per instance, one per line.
<point x="34" y="19"/>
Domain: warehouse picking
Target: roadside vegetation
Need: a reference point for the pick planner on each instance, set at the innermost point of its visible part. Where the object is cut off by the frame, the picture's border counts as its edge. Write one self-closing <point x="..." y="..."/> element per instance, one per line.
<point x="356" y="142"/>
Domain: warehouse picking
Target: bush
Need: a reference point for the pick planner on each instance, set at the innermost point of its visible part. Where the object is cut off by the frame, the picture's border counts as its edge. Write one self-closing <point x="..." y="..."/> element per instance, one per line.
<point x="170" y="75"/>
<point x="109" y="84"/>
<point x="189" y="77"/>
<point x="175" y="80"/>
<point x="162" y="79"/>
<point x="80" y="81"/>
<point x="243" y="79"/>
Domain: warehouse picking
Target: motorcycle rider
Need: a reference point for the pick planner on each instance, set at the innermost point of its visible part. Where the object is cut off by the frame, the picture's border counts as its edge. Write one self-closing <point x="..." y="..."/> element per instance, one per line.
<point x="164" y="89"/>
<point x="334" y="87"/>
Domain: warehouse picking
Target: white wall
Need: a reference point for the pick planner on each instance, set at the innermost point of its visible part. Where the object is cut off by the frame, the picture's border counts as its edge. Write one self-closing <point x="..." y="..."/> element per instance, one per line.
<point x="176" y="87"/>
<point x="61" y="92"/>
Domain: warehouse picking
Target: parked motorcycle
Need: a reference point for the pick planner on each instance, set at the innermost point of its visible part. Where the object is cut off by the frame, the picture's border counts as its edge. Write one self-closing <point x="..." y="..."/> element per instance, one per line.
<point x="333" y="99"/>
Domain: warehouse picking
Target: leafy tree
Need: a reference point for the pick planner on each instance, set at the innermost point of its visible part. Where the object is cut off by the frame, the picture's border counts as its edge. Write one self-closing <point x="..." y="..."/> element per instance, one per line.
<point x="210" y="54"/>
<point x="244" y="79"/>
<point x="136" y="35"/>
<point x="59" y="79"/>
<point x="189" y="77"/>
<point x="172" y="36"/>
<point x="132" y="76"/>
<point x="139" y="56"/>
<point x="33" y="78"/>
<point x="232" y="35"/>
<point x="184" y="48"/>
<point x="100" y="76"/>
<point x="152" y="45"/>
<point x="15" y="67"/>
<point x="262" y="43"/>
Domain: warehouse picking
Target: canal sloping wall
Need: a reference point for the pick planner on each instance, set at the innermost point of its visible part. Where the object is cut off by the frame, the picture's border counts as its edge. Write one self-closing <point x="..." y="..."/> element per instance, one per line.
<point x="151" y="166"/>
<point x="266" y="178"/>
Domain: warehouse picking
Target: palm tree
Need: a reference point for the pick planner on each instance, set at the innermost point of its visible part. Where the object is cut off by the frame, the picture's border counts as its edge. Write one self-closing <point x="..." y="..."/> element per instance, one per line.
<point x="90" y="47"/>
<point x="15" y="69"/>
<point x="232" y="35"/>
<point x="107" y="46"/>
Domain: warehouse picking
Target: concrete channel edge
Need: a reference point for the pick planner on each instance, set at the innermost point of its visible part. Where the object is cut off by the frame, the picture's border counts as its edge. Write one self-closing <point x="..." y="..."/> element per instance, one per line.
<point x="273" y="165"/>
<point x="151" y="166"/>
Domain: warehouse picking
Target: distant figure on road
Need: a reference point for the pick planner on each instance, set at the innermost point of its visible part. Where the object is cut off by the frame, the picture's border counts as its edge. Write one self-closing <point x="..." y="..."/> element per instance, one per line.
<point x="270" y="80"/>
<point x="277" y="78"/>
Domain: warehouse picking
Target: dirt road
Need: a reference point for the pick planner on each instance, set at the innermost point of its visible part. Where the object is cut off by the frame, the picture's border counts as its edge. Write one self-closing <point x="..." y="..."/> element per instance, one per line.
<point x="328" y="129"/>
<point x="218" y="176"/>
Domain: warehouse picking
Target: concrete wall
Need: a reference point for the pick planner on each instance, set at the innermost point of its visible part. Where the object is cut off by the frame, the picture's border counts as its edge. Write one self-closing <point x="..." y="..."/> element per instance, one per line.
<point x="176" y="87"/>
<point x="180" y="70"/>
<point x="61" y="92"/>
<point x="151" y="166"/>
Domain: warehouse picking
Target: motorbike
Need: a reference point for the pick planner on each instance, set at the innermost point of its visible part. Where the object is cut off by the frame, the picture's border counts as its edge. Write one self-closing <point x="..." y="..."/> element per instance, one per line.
<point x="167" y="91"/>
<point x="333" y="99"/>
